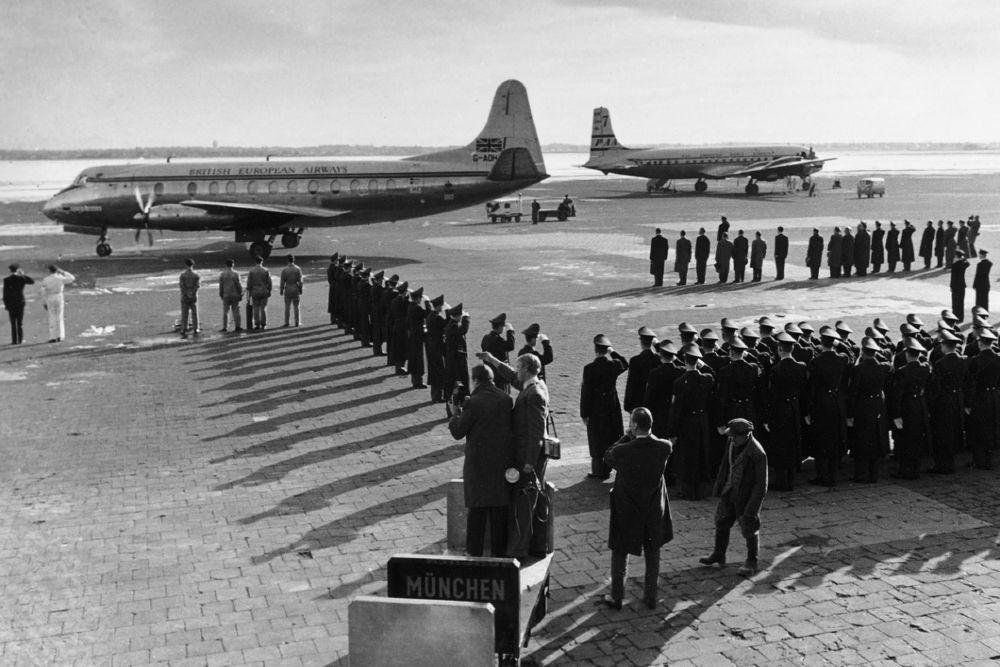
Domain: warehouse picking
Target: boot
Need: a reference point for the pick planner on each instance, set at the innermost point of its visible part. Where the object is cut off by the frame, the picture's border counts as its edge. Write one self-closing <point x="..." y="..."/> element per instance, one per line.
<point x="718" y="556"/>
<point x="750" y="566"/>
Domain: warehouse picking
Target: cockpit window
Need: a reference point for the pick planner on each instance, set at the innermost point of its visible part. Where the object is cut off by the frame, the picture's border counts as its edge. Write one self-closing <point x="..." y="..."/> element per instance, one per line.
<point x="81" y="179"/>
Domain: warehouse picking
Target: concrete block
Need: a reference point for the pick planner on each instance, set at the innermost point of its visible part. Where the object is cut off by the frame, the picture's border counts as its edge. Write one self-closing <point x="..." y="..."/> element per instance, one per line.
<point x="457" y="515"/>
<point x="385" y="632"/>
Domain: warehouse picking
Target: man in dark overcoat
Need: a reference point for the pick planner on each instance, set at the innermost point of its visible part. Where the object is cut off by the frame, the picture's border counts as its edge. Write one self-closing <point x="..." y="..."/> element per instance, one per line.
<point x="825" y="408"/>
<point x="927" y="244"/>
<point x="814" y="254"/>
<point x="600" y="408"/>
<point x="741" y="253"/>
<point x="892" y="247"/>
<point x="456" y="351"/>
<point x="862" y="250"/>
<point x="878" y="247"/>
<point x="639" y="367"/>
<point x="723" y="255"/>
<point x="982" y="394"/>
<point x="434" y="344"/>
<point x="659" y="248"/>
<point x="688" y="425"/>
<point x="682" y="258"/>
<point x="758" y="250"/>
<point x="640" y="522"/>
<point x="780" y="254"/>
<point x="702" y="250"/>
<point x="908" y="410"/>
<point x="835" y="252"/>
<point x="782" y="408"/>
<point x="958" y="269"/>
<point x="484" y="420"/>
<point x="946" y="398"/>
<point x="416" y="330"/>
<point x="332" y="277"/>
<point x="939" y="244"/>
<point x="981" y="282"/>
<point x="847" y="252"/>
<point x="906" y="244"/>
<point x="740" y="485"/>
<point x="398" y="345"/>
<point x="866" y="412"/>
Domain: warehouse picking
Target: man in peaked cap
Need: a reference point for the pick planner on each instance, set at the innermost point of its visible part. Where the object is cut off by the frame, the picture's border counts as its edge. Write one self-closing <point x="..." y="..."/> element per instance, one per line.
<point x="688" y="333"/>
<point x="866" y="412"/>
<point x="983" y="401"/>
<point x="688" y="425"/>
<point x="946" y="398"/>
<point x="416" y="333"/>
<point x="456" y="351"/>
<point x="434" y="344"/>
<point x="500" y="343"/>
<point x="398" y="343"/>
<point x="600" y="408"/>
<point x="908" y="410"/>
<point x="824" y="408"/>
<point x="660" y="386"/>
<point x="378" y="313"/>
<point x="958" y="269"/>
<point x="533" y="336"/>
<point x="981" y="282"/>
<point x="639" y="367"/>
<point x="740" y="485"/>
<point x="332" y="276"/>
<point x="782" y="408"/>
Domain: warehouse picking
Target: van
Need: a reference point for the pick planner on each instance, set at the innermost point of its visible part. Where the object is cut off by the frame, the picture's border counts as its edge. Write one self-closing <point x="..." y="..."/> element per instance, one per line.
<point x="871" y="187"/>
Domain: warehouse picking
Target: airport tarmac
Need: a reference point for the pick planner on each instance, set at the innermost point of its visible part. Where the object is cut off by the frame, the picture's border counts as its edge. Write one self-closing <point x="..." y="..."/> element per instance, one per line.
<point x="220" y="500"/>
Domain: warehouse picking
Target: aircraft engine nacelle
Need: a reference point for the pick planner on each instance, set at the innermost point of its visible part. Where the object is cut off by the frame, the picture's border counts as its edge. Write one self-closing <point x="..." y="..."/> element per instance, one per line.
<point x="179" y="216"/>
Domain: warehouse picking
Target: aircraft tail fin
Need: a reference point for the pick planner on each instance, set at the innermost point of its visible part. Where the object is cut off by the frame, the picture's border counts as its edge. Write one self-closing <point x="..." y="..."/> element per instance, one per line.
<point x="510" y="125"/>
<point x="603" y="143"/>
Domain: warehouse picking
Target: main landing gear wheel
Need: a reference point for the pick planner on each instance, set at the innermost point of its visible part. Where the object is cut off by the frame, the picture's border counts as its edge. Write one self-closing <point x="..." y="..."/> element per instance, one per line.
<point x="751" y="189"/>
<point x="260" y="248"/>
<point x="103" y="249"/>
<point x="289" y="240"/>
<point x="700" y="186"/>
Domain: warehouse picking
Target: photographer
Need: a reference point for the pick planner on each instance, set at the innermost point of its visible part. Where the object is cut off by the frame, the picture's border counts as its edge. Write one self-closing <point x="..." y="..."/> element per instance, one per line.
<point x="484" y="420"/>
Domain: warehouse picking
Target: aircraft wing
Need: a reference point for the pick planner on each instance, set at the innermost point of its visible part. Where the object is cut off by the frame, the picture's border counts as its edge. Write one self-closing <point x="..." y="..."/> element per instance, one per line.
<point x="721" y="171"/>
<point x="779" y="168"/>
<point x="236" y="207"/>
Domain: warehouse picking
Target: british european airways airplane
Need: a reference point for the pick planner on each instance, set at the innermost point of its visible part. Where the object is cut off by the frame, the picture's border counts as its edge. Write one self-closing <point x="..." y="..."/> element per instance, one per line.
<point x="260" y="200"/>
<point x="659" y="165"/>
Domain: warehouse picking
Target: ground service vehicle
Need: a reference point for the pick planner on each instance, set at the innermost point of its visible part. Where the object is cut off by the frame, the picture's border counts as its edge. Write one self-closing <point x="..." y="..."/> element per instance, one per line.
<point x="871" y="187"/>
<point x="504" y="210"/>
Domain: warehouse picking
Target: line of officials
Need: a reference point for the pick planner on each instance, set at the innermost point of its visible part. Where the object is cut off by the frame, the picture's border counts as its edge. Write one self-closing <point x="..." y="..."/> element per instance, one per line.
<point x="930" y="394"/>
<point x="417" y="335"/>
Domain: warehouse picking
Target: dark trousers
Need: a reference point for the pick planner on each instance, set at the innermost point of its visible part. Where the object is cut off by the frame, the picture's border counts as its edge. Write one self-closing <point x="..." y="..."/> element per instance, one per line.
<point x="739" y="272"/>
<point x="699" y="270"/>
<point x="658" y="275"/>
<point x="927" y="262"/>
<point x="725" y="517"/>
<point x="814" y="272"/>
<point x="940" y="261"/>
<point x="847" y="270"/>
<point x="779" y="268"/>
<point x="906" y="266"/>
<point x="475" y="530"/>
<point x="983" y="297"/>
<point x="866" y="470"/>
<point x="876" y="267"/>
<point x="958" y="302"/>
<point x="723" y="273"/>
<point x="892" y="266"/>
<point x="619" y="571"/>
<point x="757" y="274"/>
<point x="16" y="314"/>
<point x="682" y="274"/>
<point x="826" y="469"/>
<point x="834" y="271"/>
<point x="861" y="270"/>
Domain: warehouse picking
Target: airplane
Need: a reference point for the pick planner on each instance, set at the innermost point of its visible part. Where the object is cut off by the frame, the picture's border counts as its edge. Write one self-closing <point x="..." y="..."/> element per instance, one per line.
<point x="659" y="165"/>
<point x="259" y="200"/>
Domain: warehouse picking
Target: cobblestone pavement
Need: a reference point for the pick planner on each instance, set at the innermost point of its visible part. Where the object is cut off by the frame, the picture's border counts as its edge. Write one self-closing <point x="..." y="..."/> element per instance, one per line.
<point x="221" y="500"/>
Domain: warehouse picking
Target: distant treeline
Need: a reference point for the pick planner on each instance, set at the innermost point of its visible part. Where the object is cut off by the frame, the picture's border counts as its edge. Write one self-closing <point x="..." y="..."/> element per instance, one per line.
<point x="161" y="152"/>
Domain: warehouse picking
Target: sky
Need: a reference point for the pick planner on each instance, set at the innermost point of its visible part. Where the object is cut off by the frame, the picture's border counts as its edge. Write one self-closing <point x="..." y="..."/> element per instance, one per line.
<point x="124" y="73"/>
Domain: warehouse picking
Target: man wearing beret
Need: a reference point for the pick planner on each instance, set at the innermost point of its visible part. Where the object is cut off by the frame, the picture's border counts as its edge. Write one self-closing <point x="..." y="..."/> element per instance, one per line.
<point x="740" y="485"/>
<point x="600" y="408"/>
<point x="640" y="521"/>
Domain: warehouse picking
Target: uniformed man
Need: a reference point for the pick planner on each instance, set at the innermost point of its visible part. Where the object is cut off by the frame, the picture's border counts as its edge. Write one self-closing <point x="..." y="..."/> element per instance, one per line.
<point x="416" y="331"/>
<point x="741" y="253"/>
<point x="981" y="283"/>
<point x="378" y="313"/>
<point x="398" y="309"/>
<point x="814" y="254"/>
<point x="848" y="346"/>
<point x="782" y="407"/>
<point x="736" y="387"/>
<point x="835" y="252"/>
<point x="363" y="307"/>
<point x="982" y="392"/>
<point x="660" y="386"/>
<point x="825" y="408"/>
<point x="946" y="399"/>
<point x="600" y="408"/>
<point x="639" y="367"/>
<point x="723" y="255"/>
<point x="434" y="344"/>
<point x="688" y="424"/>
<point x="332" y="273"/>
<point x="741" y="485"/>
<point x="682" y="258"/>
<point x="958" y="268"/>
<point x="702" y="250"/>
<point x="456" y="351"/>
<point x="388" y="321"/>
<point x="908" y="410"/>
<point x="533" y="336"/>
<point x="878" y="247"/>
<point x="780" y="254"/>
<point x="500" y="343"/>
<point x="659" y="249"/>
<point x="867" y="416"/>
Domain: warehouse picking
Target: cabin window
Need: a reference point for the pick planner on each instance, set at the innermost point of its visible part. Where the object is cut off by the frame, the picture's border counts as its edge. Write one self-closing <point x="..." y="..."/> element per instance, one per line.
<point x="390" y="184"/>
<point x="252" y="187"/>
<point x="192" y="189"/>
<point x="356" y="187"/>
<point x="272" y="187"/>
<point x="213" y="188"/>
<point x="293" y="186"/>
<point x="230" y="188"/>
<point x="335" y="186"/>
<point x="373" y="186"/>
<point x="313" y="187"/>
<point x="158" y="189"/>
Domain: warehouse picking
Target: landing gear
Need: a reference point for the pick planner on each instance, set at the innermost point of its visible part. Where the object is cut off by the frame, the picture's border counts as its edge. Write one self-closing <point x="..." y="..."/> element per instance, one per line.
<point x="751" y="188"/>
<point x="700" y="185"/>
<point x="291" y="239"/>
<point x="103" y="247"/>
<point x="261" y="249"/>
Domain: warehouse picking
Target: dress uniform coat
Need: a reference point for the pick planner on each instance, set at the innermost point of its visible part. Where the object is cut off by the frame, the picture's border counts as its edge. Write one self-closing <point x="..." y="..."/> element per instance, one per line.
<point x="639" y="368"/>
<point x="331" y="297"/>
<point x="906" y="246"/>
<point x="737" y="392"/>
<point x="786" y="384"/>
<point x="981" y="283"/>
<point x="958" y="268"/>
<point x="659" y="394"/>
<point x="907" y="400"/>
<point x="878" y="248"/>
<point x="892" y="248"/>
<point x="982" y="393"/>
<point x="456" y="354"/>
<point x="939" y="245"/>
<point x="599" y="403"/>
<point x="377" y="319"/>
<point x="702" y="250"/>
<point x="364" y="312"/>
<point x="814" y="255"/>
<point x="500" y="346"/>
<point x="741" y="252"/>
<point x="682" y="258"/>
<point x="825" y="404"/>
<point x="688" y="426"/>
<point x="640" y="508"/>
<point x="866" y="406"/>
<point x="946" y="398"/>
<point x="387" y="320"/>
<point x="862" y="252"/>
<point x="434" y="344"/>
<point x="927" y="245"/>
<point x="834" y="254"/>
<point x="416" y="331"/>
<point x="398" y="343"/>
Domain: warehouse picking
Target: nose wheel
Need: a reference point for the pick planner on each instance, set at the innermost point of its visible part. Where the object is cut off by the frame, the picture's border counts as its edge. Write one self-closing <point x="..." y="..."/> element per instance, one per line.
<point x="751" y="188"/>
<point x="103" y="247"/>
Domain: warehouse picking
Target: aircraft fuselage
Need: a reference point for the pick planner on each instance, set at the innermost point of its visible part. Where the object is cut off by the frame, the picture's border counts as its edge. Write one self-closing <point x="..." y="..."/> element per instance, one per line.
<point x="693" y="163"/>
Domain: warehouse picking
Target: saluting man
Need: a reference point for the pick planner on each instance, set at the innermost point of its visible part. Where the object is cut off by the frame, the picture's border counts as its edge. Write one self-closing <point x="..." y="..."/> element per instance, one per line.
<point x="600" y="408"/>
<point x="500" y="343"/>
<point x="981" y="283"/>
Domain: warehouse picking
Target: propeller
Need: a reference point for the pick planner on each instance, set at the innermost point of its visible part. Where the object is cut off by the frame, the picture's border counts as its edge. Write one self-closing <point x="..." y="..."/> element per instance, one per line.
<point x="144" y="211"/>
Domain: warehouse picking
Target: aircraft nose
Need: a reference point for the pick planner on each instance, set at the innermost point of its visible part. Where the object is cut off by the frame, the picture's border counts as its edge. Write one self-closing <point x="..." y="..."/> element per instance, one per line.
<point x="50" y="209"/>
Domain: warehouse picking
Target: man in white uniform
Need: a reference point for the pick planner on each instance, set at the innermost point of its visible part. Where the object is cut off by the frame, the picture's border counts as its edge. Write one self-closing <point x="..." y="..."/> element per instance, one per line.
<point x="52" y="288"/>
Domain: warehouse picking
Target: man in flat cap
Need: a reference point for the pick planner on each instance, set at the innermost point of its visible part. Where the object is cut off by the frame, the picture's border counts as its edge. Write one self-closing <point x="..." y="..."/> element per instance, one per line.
<point x="500" y="343"/>
<point x="740" y="485"/>
<point x="958" y="269"/>
<point x="639" y="367"/>
<point x="416" y="332"/>
<point x="640" y="521"/>
<point x="659" y="249"/>
<point x="981" y="283"/>
<point x="600" y="408"/>
<point x="434" y="344"/>
<point x="456" y="351"/>
<point x="533" y="337"/>
<point x="908" y="410"/>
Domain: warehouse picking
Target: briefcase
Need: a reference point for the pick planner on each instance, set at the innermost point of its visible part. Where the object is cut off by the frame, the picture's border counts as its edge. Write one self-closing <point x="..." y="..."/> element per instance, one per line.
<point x="551" y="445"/>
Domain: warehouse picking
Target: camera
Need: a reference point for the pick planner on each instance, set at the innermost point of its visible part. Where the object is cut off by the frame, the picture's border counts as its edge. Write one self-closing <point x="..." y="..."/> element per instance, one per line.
<point x="459" y="394"/>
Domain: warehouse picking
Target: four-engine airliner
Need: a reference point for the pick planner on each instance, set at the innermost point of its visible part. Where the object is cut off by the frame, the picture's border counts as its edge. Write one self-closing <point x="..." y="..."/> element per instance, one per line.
<point x="659" y="165"/>
<point x="260" y="200"/>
